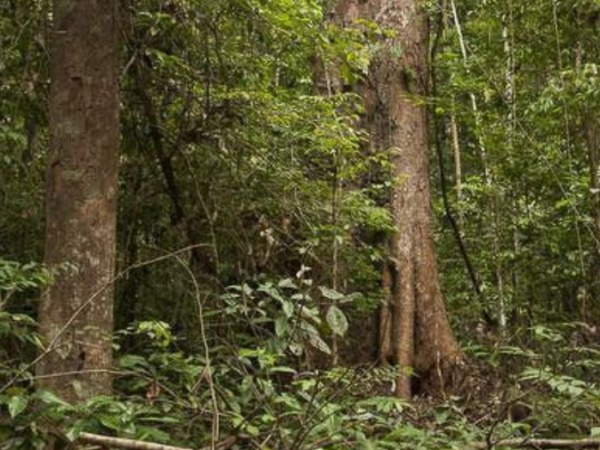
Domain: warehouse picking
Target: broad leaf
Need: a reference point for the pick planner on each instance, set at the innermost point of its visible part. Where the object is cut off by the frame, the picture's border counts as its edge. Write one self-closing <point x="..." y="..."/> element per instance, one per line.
<point x="16" y="405"/>
<point x="337" y="320"/>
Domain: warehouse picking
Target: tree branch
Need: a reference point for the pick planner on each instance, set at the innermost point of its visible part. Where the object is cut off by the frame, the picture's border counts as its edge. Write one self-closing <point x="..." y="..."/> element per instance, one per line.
<point x="540" y="444"/>
<point x="131" y="444"/>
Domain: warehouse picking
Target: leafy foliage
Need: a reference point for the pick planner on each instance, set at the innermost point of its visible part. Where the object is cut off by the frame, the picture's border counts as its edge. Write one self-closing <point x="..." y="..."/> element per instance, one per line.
<point x="235" y="142"/>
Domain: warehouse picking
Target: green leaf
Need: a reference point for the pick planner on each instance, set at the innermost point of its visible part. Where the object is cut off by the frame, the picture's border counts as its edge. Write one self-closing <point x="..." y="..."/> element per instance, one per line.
<point x="331" y="294"/>
<point x="51" y="399"/>
<point x="288" y="308"/>
<point x="72" y="432"/>
<point x="281" y="326"/>
<point x="271" y="292"/>
<point x="318" y="343"/>
<point x="283" y="369"/>
<point x="337" y="320"/>
<point x="351" y="297"/>
<point x="309" y="314"/>
<point x="110" y="422"/>
<point x="152" y="434"/>
<point x="287" y="283"/>
<point x="133" y="361"/>
<point x="252" y="430"/>
<point x="16" y="405"/>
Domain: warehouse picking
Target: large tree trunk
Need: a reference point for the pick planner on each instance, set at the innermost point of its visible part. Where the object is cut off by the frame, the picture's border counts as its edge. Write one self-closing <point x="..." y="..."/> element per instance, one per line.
<point x="76" y="312"/>
<point x="421" y="337"/>
<point x="588" y="51"/>
<point x="593" y="147"/>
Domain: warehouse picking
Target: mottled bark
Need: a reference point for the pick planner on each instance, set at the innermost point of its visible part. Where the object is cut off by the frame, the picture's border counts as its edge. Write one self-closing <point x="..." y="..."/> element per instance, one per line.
<point x="421" y="337"/>
<point x="76" y="312"/>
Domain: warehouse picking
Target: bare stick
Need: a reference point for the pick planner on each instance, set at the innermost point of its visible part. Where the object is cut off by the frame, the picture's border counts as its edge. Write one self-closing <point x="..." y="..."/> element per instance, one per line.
<point x="128" y="444"/>
<point x="540" y="444"/>
<point x="207" y="371"/>
<point x="131" y="444"/>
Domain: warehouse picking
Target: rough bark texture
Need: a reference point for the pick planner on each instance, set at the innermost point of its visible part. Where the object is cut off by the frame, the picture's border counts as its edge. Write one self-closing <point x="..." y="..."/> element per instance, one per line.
<point x="421" y="337"/>
<point x="593" y="147"/>
<point x="81" y="198"/>
<point x="588" y="51"/>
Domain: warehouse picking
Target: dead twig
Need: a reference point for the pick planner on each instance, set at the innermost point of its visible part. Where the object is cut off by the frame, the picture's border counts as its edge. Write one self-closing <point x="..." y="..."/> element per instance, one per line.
<point x="540" y="444"/>
<point x="132" y="444"/>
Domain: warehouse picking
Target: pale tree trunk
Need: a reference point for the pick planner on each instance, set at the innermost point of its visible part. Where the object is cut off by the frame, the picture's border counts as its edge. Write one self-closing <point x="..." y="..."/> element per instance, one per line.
<point x="421" y="337"/>
<point x="510" y="98"/>
<point x="335" y="260"/>
<point x="455" y="139"/>
<point x="458" y="182"/>
<point x="76" y="312"/>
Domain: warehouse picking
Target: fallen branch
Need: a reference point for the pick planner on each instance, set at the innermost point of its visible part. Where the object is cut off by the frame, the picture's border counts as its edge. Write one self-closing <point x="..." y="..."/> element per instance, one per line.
<point x="131" y="444"/>
<point x="540" y="444"/>
<point x="127" y="444"/>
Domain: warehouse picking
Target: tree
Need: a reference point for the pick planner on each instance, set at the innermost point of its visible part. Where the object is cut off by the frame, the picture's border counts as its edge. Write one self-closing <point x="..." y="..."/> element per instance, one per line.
<point x="76" y="312"/>
<point x="415" y="332"/>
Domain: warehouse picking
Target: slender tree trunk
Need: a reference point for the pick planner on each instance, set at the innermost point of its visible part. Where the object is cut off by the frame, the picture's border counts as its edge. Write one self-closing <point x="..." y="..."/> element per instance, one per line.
<point x="458" y="178"/>
<point x="76" y="312"/>
<point x="455" y="141"/>
<point x="507" y="36"/>
<point x="335" y="260"/>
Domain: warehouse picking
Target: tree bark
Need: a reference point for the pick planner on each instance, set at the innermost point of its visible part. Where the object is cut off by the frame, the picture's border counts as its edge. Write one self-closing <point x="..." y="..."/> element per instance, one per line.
<point x="587" y="50"/>
<point x="81" y="193"/>
<point x="593" y="148"/>
<point x="421" y="337"/>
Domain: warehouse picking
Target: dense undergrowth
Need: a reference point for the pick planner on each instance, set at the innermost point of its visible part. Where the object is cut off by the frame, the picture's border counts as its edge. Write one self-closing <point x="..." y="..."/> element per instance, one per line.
<point x="256" y="150"/>
<point x="256" y="390"/>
